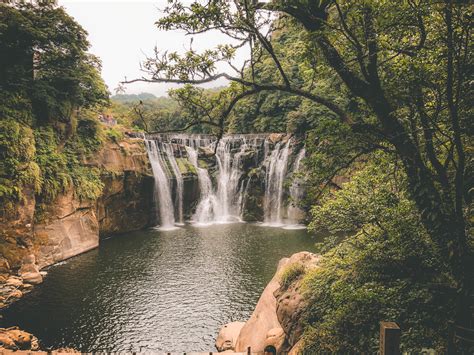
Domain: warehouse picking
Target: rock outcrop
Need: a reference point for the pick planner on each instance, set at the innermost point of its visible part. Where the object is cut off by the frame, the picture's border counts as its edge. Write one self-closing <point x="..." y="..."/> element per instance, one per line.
<point x="127" y="200"/>
<point x="276" y="321"/>
<point x="16" y="339"/>
<point x="68" y="227"/>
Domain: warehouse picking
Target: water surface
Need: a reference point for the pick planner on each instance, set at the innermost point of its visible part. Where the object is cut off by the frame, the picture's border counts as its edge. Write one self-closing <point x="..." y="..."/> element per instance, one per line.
<point x="156" y="290"/>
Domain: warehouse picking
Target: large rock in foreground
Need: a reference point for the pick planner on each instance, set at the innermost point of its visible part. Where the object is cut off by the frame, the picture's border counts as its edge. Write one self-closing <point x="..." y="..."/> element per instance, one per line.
<point x="275" y="322"/>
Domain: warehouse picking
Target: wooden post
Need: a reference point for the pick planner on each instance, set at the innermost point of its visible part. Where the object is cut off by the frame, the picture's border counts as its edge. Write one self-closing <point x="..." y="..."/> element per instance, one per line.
<point x="389" y="338"/>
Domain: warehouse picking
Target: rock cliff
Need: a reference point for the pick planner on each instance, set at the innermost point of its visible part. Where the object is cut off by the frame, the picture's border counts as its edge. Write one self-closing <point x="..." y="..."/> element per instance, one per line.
<point x="34" y="237"/>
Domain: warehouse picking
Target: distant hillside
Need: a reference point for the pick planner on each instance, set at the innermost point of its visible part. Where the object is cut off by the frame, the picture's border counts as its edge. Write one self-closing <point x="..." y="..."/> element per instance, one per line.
<point x="133" y="97"/>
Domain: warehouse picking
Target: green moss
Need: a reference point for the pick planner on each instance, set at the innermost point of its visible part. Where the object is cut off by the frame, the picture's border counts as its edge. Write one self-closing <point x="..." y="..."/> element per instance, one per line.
<point x="87" y="183"/>
<point x="185" y="167"/>
<point x="114" y="135"/>
<point x="290" y="274"/>
<point x="53" y="164"/>
<point x="203" y="164"/>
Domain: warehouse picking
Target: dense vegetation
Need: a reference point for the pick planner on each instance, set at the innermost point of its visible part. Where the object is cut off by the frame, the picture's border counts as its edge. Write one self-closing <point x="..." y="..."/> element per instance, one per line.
<point x="381" y="91"/>
<point x="50" y="95"/>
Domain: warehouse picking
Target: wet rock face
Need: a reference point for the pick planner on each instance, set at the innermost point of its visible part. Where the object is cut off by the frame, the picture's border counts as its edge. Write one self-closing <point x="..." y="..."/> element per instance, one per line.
<point x="253" y="209"/>
<point x="29" y="271"/>
<point x="16" y="229"/>
<point x="70" y="228"/>
<point x="126" y="204"/>
<point x="190" y="195"/>
<point x="290" y="304"/>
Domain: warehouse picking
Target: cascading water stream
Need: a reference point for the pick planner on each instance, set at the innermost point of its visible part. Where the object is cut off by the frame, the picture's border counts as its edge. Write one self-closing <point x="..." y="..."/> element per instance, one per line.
<point x="208" y="203"/>
<point x="295" y="214"/>
<point x="229" y="192"/>
<point x="162" y="191"/>
<point x="276" y="170"/>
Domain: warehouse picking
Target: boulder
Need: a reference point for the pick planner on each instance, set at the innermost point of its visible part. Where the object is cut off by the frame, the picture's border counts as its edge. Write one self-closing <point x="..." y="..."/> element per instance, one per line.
<point x="276" y="137"/>
<point x="263" y="319"/>
<point x="29" y="259"/>
<point x="228" y="335"/>
<point x="33" y="278"/>
<point x="7" y="343"/>
<point x="290" y="304"/>
<point x="26" y="268"/>
<point x="29" y="271"/>
<point x="15" y="294"/>
<point x="14" y="281"/>
<point x="297" y="349"/>
<point x="16" y="339"/>
<point x="4" y="266"/>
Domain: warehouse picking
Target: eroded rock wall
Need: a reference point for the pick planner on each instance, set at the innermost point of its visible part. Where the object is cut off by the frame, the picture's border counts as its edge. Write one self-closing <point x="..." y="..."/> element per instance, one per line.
<point x="127" y="200"/>
<point x="68" y="226"/>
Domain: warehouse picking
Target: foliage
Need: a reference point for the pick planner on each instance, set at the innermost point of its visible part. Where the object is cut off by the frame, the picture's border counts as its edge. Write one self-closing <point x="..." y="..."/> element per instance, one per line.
<point x="145" y="112"/>
<point x="17" y="165"/>
<point x="44" y="59"/>
<point x="53" y="164"/>
<point x="62" y="168"/>
<point x="387" y="269"/>
<point x="50" y="94"/>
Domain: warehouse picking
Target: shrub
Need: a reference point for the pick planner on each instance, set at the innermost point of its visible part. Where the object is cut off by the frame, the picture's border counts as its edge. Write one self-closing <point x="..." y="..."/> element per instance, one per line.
<point x="17" y="165"/>
<point x="387" y="270"/>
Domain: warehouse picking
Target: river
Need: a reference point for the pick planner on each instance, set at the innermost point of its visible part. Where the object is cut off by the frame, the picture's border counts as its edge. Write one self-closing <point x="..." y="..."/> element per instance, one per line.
<point x="156" y="290"/>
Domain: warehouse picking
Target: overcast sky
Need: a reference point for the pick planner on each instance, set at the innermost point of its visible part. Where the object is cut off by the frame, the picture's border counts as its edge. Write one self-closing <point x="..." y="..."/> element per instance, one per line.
<point x="122" y="32"/>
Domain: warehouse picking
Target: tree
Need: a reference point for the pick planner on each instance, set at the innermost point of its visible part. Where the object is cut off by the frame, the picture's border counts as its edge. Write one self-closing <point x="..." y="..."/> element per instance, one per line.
<point x="406" y="65"/>
<point x="43" y="57"/>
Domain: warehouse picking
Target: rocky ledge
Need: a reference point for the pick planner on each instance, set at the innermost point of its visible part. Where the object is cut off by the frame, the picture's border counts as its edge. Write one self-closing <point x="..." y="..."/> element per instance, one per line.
<point x="18" y="342"/>
<point x="275" y="323"/>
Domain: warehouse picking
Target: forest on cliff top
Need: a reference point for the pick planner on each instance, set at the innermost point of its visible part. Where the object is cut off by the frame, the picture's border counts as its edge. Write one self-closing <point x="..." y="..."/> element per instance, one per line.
<point x="381" y="92"/>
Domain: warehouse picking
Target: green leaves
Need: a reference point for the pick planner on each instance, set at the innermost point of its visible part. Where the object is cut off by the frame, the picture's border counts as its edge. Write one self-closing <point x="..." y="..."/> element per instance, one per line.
<point x="44" y="60"/>
<point x="379" y="263"/>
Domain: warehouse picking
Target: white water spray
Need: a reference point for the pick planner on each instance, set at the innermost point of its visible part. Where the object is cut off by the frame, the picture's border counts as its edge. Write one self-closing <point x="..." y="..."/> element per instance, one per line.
<point x="162" y="191"/>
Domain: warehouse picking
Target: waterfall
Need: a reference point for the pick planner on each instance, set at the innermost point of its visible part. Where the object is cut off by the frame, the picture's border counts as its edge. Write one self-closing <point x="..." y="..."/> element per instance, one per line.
<point x="168" y="148"/>
<point x="208" y="204"/>
<point x="228" y="188"/>
<point x="162" y="191"/>
<point x="222" y="195"/>
<point x="295" y="214"/>
<point x="276" y="165"/>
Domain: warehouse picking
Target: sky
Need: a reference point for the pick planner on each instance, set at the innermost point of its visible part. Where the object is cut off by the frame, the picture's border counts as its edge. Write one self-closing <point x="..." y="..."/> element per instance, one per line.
<point x="121" y="33"/>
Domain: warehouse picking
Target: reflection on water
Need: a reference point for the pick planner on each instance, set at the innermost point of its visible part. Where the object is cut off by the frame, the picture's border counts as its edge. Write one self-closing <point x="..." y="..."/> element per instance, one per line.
<point x="156" y="290"/>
